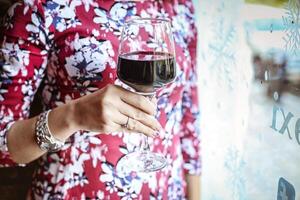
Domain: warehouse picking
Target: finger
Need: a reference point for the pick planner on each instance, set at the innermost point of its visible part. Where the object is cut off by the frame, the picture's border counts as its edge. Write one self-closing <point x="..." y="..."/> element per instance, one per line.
<point x="119" y="118"/>
<point x="153" y="99"/>
<point x="133" y="126"/>
<point x="138" y="101"/>
<point x="136" y="126"/>
<point x="134" y="113"/>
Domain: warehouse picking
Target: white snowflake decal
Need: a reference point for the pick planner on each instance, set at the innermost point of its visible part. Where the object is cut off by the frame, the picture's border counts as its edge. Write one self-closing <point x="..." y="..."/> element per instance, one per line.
<point x="235" y="164"/>
<point x="291" y="21"/>
<point x="222" y="48"/>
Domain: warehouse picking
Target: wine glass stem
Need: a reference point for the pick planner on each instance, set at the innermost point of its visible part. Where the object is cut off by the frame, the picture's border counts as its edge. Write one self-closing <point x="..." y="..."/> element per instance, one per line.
<point x="145" y="144"/>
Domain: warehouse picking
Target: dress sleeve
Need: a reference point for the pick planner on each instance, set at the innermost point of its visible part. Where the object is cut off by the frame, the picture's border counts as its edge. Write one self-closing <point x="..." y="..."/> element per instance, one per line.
<point x="190" y="126"/>
<point x="23" y="59"/>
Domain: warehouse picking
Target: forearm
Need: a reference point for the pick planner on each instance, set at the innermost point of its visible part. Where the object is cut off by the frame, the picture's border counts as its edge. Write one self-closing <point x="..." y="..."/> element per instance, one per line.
<point x="193" y="187"/>
<point x="21" y="136"/>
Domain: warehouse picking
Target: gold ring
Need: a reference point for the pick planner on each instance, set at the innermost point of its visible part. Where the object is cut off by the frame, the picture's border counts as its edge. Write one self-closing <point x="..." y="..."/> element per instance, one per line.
<point x="126" y="124"/>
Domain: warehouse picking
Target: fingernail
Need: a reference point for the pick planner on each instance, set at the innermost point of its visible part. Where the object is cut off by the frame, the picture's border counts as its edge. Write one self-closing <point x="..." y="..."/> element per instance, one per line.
<point x="156" y="134"/>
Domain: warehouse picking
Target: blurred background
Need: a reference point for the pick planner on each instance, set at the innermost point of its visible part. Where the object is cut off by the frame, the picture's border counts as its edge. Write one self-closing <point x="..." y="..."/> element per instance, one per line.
<point x="249" y="78"/>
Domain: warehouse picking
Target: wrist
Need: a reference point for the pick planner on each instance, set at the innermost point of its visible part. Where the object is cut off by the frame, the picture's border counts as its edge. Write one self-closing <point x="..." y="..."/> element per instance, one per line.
<point x="61" y="121"/>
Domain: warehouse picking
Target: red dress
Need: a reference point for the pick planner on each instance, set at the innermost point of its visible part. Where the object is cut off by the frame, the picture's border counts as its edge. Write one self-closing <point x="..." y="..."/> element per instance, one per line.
<point x="71" y="45"/>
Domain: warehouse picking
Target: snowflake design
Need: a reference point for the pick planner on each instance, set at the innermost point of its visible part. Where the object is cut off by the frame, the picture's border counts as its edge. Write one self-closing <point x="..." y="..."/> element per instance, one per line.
<point x="235" y="164"/>
<point x="222" y="49"/>
<point x="291" y="21"/>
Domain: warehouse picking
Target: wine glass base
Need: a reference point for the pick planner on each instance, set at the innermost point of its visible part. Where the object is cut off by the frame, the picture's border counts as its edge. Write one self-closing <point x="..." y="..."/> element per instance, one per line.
<point x="141" y="161"/>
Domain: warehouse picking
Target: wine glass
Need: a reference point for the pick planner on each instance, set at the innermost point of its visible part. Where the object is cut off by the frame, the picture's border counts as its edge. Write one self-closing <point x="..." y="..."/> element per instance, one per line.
<point x="146" y="63"/>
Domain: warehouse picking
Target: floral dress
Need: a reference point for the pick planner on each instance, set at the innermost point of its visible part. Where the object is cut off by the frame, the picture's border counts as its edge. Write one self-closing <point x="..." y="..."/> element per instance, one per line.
<point x="71" y="46"/>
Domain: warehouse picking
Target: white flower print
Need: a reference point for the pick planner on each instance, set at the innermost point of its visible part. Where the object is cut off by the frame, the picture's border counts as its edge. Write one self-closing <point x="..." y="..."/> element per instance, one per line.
<point x="10" y="13"/>
<point x="110" y="178"/>
<point x="169" y="166"/>
<point x="101" y="17"/>
<point x="72" y="23"/>
<point x="187" y="146"/>
<point x="97" y="154"/>
<point x="28" y="92"/>
<point x="152" y="181"/>
<point x="80" y="179"/>
<point x="88" y="3"/>
<point x="29" y="4"/>
<point x="95" y="33"/>
<point x="152" y="11"/>
<point x="194" y="167"/>
<point x="38" y="76"/>
<point x="132" y="141"/>
<point x="181" y="25"/>
<point x="6" y="118"/>
<point x="2" y="92"/>
<point x="38" y="33"/>
<point x="113" y="20"/>
<point x="27" y="88"/>
<point x="163" y="14"/>
<point x="133" y="44"/>
<point x="134" y="181"/>
<point x="127" y="194"/>
<point x="91" y="57"/>
<point x="6" y="115"/>
<point x="61" y="14"/>
<point x="16" y="60"/>
<point x="168" y="139"/>
<point x="73" y="174"/>
<point x="168" y="136"/>
<point x="46" y="189"/>
<point x="158" y="44"/>
<point x="100" y="195"/>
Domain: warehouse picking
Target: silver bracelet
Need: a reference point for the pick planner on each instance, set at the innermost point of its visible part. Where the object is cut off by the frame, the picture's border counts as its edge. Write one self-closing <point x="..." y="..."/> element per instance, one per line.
<point x="43" y="136"/>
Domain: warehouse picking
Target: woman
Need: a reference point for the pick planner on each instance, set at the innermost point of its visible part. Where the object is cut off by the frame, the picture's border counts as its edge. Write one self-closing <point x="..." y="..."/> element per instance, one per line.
<point x="72" y="47"/>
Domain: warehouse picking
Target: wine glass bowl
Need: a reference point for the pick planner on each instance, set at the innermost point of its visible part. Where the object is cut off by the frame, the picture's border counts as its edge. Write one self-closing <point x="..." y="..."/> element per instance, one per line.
<point x="146" y="59"/>
<point x="146" y="63"/>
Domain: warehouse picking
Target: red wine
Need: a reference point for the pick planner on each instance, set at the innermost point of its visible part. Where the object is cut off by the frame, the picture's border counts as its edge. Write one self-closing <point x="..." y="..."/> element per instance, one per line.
<point x="146" y="71"/>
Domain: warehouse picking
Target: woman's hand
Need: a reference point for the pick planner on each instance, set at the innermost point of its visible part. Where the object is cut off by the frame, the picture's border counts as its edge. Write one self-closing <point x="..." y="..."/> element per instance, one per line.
<point x="104" y="111"/>
<point x="108" y="109"/>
